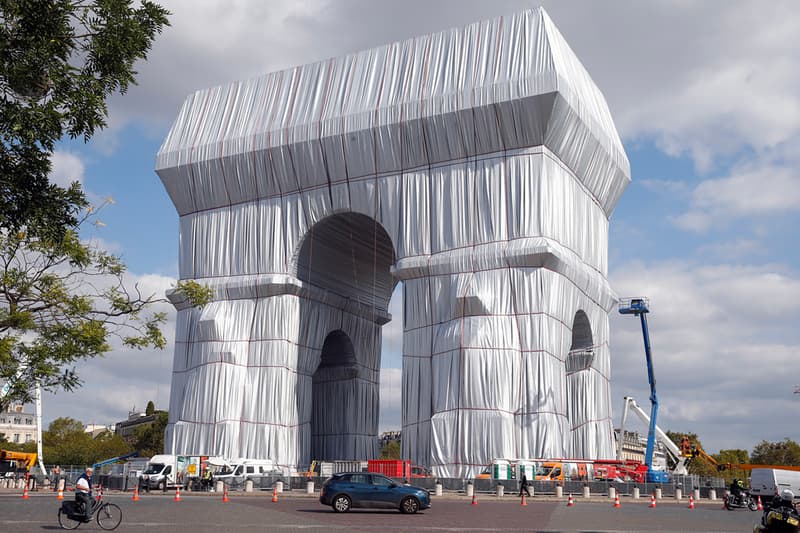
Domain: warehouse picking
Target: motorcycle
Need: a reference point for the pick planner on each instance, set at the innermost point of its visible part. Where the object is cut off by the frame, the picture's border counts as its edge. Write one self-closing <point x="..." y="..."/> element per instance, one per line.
<point x="732" y="502"/>
<point x="780" y="520"/>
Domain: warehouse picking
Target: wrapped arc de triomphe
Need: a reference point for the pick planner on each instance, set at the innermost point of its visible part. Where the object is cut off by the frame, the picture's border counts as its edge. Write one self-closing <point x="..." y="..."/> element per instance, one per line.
<point x="479" y="166"/>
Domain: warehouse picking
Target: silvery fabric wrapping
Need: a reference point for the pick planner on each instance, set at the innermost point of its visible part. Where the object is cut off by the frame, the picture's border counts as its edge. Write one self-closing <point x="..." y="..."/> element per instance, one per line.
<point x="479" y="166"/>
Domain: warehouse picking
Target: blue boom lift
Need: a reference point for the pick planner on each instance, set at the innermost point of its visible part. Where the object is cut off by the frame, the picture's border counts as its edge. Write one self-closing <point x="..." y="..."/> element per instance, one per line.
<point x="640" y="307"/>
<point x="115" y="459"/>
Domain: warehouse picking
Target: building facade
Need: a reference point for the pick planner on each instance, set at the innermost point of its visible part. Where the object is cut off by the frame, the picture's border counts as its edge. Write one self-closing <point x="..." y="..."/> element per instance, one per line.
<point x="17" y="425"/>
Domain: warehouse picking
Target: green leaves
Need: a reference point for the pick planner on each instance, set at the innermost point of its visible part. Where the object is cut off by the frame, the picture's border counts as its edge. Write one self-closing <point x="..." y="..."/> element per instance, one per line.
<point x="60" y="60"/>
<point x="63" y="301"/>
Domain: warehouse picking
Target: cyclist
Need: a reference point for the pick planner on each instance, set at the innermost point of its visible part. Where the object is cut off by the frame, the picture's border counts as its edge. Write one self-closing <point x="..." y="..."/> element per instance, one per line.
<point x="83" y="492"/>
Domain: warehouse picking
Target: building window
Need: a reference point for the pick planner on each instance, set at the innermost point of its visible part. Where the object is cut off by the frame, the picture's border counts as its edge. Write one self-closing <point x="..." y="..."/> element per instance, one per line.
<point x="28" y="437"/>
<point x="16" y="438"/>
<point x="16" y="420"/>
<point x="28" y="421"/>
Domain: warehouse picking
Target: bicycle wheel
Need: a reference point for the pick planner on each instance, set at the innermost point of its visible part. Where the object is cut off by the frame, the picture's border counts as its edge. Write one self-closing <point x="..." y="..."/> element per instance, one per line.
<point x="66" y="522"/>
<point x="109" y="516"/>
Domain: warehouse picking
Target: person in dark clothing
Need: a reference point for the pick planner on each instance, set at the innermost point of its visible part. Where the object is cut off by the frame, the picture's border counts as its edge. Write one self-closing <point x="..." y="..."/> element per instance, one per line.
<point x="83" y="493"/>
<point x="784" y="499"/>
<point x="523" y="487"/>
<point x="737" y="487"/>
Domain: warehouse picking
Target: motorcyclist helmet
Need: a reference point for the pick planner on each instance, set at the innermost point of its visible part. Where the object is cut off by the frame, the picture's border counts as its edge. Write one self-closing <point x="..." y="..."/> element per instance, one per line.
<point x="787" y="495"/>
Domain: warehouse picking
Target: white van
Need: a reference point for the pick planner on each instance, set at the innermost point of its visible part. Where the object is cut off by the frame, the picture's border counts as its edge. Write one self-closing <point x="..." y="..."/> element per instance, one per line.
<point x="766" y="482"/>
<point x="244" y="468"/>
<point x="160" y="473"/>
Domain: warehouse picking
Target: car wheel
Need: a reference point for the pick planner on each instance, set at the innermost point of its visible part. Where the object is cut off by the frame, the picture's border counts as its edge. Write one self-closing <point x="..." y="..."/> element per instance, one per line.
<point x="163" y="486"/>
<point x="341" y="503"/>
<point x="409" y="505"/>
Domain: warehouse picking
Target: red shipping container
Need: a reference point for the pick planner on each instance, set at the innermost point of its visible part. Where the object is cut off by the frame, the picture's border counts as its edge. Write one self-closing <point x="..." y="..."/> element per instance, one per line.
<point x="390" y="467"/>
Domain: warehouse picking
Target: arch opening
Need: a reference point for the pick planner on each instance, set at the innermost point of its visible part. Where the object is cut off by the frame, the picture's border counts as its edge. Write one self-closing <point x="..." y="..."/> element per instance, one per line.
<point x="349" y="254"/>
<point x="581" y="351"/>
<point x="332" y="381"/>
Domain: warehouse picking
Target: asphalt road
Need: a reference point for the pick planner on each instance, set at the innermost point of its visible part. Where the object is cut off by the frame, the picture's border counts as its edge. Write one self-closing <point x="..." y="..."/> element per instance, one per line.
<point x="207" y="513"/>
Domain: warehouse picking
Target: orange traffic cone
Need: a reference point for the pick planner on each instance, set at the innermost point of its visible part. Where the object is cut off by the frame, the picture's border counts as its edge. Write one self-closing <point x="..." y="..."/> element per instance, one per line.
<point x="177" y="497"/>
<point x="25" y="493"/>
<point x="523" y="502"/>
<point x="570" y="501"/>
<point x="274" y="494"/>
<point x="60" y="495"/>
<point x="616" y="501"/>
<point x="225" y="494"/>
<point x="474" y="499"/>
<point x="652" y="501"/>
<point x="691" y="501"/>
<point x="760" y="507"/>
<point x="135" y="493"/>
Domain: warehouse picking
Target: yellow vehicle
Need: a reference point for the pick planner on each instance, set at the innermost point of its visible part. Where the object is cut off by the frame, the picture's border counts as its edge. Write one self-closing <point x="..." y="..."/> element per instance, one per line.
<point x="572" y="470"/>
<point x="11" y="462"/>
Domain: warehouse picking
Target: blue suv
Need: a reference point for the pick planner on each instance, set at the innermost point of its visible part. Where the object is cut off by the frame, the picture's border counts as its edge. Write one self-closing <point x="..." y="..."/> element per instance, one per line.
<point x="364" y="489"/>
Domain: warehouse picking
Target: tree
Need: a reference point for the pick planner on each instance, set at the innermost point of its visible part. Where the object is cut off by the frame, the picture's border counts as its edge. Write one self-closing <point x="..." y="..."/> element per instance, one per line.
<point x="697" y="466"/>
<point x="785" y="453"/>
<point x="732" y="457"/>
<point x="107" y="445"/>
<point x="66" y="443"/>
<point x="149" y="440"/>
<point x="61" y="301"/>
<point x="59" y="62"/>
<point x="391" y="450"/>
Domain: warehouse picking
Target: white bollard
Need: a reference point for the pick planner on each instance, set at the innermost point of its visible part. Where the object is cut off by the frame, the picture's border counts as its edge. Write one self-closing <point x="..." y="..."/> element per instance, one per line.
<point x="587" y="492"/>
<point x="501" y="490"/>
<point x="635" y="493"/>
<point x="712" y="495"/>
<point x="220" y="486"/>
<point x="658" y="493"/>
<point x="310" y="487"/>
<point x="470" y="490"/>
<point x="678" y="494"/>
<point x="559" y="491"/>
<point x="438" y="489"/>
<point x="248" y="485"/>
<point x="279" y="486"/>
<point x="612" y="492"/>
<point x="696" y="494"/>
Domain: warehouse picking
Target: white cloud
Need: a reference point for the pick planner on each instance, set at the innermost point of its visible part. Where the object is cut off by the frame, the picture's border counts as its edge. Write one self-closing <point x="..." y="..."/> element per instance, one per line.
<point x="723" y="338"/>
<point x="755" y="189"/>
<point x="67" y="168"/>
<point x="124" y="378"/>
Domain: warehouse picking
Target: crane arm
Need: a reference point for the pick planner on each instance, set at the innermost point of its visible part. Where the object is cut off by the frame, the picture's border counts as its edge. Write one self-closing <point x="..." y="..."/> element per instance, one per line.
<point x="115" y="459"/>
<point x="748" y="466"/>
<point x="671" y="447"/>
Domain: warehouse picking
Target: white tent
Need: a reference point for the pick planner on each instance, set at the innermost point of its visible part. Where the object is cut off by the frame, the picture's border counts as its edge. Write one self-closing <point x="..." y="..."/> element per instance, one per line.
<point x="479" y="166"/>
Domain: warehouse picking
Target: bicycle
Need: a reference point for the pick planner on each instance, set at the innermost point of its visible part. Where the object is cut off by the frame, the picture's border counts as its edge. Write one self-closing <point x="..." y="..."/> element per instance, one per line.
<point x="108" y="515"/>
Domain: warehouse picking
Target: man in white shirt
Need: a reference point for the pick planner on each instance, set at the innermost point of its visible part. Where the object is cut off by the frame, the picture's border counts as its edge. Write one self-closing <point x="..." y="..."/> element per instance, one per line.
<point x="83" y="492"/>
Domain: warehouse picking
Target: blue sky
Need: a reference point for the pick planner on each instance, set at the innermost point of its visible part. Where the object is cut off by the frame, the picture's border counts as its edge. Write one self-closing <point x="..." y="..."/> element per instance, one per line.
<point x="707" y="100"/>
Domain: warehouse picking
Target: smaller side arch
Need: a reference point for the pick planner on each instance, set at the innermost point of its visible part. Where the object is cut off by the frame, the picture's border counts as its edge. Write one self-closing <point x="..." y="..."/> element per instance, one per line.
<point x="581" y="350"/>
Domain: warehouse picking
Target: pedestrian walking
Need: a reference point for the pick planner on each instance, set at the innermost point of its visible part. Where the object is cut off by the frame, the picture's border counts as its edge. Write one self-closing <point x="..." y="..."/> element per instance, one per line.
<point x="524" y="486"/>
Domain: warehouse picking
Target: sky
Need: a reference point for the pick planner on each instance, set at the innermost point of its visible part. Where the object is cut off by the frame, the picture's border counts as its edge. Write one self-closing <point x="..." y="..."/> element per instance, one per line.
<point x="706" y="98"/>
